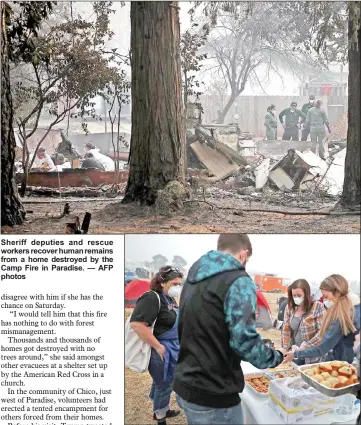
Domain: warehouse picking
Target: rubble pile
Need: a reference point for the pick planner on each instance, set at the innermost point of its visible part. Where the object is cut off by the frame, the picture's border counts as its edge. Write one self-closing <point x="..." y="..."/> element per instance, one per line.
<point x="295" y="179"/>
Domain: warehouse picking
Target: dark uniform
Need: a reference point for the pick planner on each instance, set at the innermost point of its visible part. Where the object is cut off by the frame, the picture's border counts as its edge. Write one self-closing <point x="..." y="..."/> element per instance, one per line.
<point x="306" y="130"/>
<point x="291" y="123"/>
<point x="316" y="121"/>
<point x="92" y="163"/>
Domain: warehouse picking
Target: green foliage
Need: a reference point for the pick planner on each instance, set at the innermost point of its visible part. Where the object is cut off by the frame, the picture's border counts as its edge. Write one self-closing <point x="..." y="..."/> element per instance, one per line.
<point x="191" y="60"/>
<point x="22" y="29"/>
<point x="67" y="64"/>
<point x="70" y="65"/>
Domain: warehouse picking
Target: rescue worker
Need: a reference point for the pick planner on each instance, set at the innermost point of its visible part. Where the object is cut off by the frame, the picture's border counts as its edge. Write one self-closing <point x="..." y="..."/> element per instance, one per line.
<point x="292" y="121"/>
<point x="305" y="108"/>
<point x="316" y="120"/>
<point x="270" y="122"/>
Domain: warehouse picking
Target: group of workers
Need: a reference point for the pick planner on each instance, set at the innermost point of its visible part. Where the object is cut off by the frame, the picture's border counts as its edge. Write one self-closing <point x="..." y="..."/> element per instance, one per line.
<point x="57" y="162"/>
<point x="197" y="346"/>
<point x="311" y="119"/>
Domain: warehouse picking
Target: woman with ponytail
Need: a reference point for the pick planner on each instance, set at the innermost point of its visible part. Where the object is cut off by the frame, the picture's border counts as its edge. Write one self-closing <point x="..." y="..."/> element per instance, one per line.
<point x="340" y="325"/>
<point x="159" y="307"/>
<point x="270" y="122"/>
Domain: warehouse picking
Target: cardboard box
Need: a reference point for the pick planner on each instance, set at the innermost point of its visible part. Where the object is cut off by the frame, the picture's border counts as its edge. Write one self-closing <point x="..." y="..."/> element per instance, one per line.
<point x="293" y="400"/>
<point x="289" y="417"/>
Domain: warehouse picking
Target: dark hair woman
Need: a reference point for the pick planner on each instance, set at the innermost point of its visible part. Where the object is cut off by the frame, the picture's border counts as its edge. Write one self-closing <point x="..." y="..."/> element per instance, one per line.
<point x="165" y="287"/>
<point x="302" y="320"/>
<point x="270" y="122"/>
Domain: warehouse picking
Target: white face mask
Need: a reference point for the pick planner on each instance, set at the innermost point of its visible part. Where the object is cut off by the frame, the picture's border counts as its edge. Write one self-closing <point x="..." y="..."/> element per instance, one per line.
<point x="174" y="291"/>
<point x="298" y="300"/>
<point x="328" y="303"/>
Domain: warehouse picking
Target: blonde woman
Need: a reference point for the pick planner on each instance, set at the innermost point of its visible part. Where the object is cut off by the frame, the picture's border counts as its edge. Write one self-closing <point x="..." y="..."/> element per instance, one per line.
<point x="302" y="319"/>
<point x="340" y="325"/>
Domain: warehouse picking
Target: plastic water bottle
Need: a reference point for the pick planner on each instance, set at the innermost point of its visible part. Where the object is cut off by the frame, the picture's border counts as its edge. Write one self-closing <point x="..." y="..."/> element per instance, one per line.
<point x="345" y="404"/>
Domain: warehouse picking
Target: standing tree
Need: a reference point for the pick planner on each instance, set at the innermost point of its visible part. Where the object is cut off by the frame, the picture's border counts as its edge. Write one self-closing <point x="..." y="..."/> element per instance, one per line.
<point x="246" y="43"/>
<point x="352" y="182"/>
<point x="158" y="127"/>
<point x="12" y="211"/>
<point x="70" y="66"/>
<point x="16" y="36"/>
<point x="120" y="97"/>
<point x="217" y="90"/>
<point x="179" y="262"/>
<point x="159" y="261"/>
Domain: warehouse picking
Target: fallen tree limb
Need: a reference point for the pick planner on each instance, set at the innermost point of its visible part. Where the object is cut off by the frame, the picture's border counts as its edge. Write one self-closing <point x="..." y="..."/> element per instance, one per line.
<point x="59" y="201"/>
<point x="344" y="212"/>
<point x="292" y="212"/>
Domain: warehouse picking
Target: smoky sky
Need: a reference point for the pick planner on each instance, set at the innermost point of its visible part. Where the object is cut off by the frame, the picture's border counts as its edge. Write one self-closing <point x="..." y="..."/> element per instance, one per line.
<point x="296" y="256"/>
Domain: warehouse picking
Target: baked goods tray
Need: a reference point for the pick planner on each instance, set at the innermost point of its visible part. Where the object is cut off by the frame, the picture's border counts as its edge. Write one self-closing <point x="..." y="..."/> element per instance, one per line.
<point x="290" y="367"/>
<point x="330" y="392"/>
<point x="256" y="374"/>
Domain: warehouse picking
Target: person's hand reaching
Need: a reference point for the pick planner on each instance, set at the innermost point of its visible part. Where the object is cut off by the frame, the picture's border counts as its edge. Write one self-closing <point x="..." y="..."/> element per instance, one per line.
<point x="289" y="357"/>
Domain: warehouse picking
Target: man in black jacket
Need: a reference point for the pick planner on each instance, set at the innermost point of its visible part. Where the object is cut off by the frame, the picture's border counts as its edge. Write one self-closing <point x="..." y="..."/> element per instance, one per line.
<point x="291" y="122"/>
<point x="217" y="330"/>
<point x="91" y="162"/>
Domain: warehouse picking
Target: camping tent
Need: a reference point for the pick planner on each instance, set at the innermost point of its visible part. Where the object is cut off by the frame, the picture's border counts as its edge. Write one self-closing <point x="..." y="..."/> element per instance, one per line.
<point x="134" y="290"/>
<point x="263" y="314"/>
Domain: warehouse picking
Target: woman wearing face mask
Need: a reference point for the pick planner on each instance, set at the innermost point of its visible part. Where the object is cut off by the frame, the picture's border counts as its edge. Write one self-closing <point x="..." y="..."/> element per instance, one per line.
<point x="270" y="122"/>
<point x="165" y="286"/>
<point x="340" y="325"/>
<point x="302" y="319"/>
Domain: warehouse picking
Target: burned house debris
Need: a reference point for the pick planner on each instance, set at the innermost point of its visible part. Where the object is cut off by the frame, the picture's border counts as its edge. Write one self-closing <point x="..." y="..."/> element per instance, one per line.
<point x="223" y="160"/>
<point x="252" y="165"/>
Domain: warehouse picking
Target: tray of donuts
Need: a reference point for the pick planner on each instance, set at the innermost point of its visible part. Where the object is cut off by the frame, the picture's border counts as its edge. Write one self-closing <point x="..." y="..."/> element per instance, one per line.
<point x="258" y="383"/>
<point x="330" y="378"/>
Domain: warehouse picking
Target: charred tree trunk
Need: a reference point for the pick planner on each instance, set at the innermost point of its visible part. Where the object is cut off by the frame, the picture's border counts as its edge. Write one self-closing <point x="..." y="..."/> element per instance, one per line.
<point x="223" y="114"/>
<point x="12" y="211"/>
<point x="158" y="125"/>
<point x="352" y="183"/>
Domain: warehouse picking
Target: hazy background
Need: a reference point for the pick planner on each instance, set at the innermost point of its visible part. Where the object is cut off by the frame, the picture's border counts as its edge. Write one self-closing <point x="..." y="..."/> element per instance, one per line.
<point x="120" y="25"/>
<point x="312" y="257"/>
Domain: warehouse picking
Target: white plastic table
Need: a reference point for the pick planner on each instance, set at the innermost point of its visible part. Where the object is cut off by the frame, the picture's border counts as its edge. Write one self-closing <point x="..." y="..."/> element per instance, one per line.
<point x="256" y="410"/>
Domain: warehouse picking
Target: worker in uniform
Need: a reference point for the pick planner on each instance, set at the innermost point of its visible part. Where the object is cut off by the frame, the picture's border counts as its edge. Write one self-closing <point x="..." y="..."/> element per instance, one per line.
<point x="270" y="122"/>
<point x="305" y="108"/>
<point x="317" y="120"/>
<point x="292" y="121"/>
